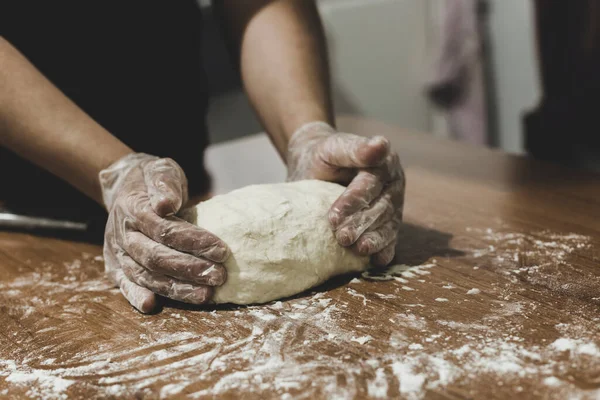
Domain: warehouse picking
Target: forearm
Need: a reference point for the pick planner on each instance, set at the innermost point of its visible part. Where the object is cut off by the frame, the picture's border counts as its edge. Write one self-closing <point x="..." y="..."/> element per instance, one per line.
<point x="42" y="125"/>
<point x="283" y="62"/>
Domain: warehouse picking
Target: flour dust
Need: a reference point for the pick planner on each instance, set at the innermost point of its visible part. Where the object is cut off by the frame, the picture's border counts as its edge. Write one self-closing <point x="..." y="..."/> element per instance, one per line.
<point x="312" y="346"/>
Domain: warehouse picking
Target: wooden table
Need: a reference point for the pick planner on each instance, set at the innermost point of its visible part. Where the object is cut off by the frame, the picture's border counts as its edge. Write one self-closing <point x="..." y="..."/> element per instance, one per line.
<point x="495" y="293"/>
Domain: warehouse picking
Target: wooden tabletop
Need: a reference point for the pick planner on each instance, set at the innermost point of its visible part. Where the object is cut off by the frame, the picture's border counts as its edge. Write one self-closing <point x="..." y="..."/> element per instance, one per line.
<point x="495" y="294"/>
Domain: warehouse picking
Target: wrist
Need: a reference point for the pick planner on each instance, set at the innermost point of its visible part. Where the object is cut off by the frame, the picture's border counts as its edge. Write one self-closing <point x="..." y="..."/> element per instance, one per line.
<point x="300" y="146"/>
<point x="309" y="132"/>
<point x="111" y="178"/>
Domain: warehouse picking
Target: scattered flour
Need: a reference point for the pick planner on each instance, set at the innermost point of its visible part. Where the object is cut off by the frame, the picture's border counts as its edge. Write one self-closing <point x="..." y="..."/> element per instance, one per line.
<point x="411" y="383"/>
<point x="576" y="346"/>
<point x="552" y="381"/>
<point x="529" y="252"/>
<point x="399" y="270"/>
<point x="361" y="340"/>
<point x="354" y="293"/>
<point x="283" y="343"/>
<point x="378" y="387"/>
<point x="39" y="382"/>
<point x="474" y="291"/>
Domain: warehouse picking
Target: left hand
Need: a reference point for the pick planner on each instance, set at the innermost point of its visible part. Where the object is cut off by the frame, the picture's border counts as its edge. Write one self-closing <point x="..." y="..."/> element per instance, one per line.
<point x="147" y="250"/>
<point x="368" y="214"/>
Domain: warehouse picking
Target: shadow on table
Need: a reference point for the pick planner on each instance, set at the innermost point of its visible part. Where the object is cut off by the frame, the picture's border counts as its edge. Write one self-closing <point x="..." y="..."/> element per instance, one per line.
<point x="416" y="246"/>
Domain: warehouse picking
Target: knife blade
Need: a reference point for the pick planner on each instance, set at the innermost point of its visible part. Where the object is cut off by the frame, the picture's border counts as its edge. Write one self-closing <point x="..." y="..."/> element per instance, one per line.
<point x="11" y="220"/>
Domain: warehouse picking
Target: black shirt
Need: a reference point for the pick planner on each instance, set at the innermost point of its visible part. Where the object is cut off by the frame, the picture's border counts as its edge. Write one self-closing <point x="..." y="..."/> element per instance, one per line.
<point x="565" y="126"/>
<point x="133" y="65"/>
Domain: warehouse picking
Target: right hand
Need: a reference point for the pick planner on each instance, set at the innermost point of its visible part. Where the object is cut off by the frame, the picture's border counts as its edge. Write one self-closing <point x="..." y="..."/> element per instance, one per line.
<point x="149" y="251"/>
<point x="367" y="215"/>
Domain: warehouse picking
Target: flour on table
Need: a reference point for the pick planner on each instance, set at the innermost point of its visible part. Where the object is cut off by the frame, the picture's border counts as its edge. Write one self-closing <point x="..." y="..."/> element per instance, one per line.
<point x="280" y="238"/>
<point x="310" y="345"/>
<point x="393" y="272"/>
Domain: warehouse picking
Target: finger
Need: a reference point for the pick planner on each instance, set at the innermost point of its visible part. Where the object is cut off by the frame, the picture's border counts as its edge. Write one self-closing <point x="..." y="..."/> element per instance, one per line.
<point x="356" y="224"/>
<point x="367" y="185"/>
<point x="352" y="151"/>
<point x="111" y="264"/>
<point x="141" y="298"/>
<point x="166" y="261"/>
<point x="385" y="256"/>
<point x="163" y="285"/>
<point x="397" y="178"/>
<point x="363" y="189"/>
<point x="180" y="235"/>
<point x="374" y="241"/>
<point x="167" y="186"/>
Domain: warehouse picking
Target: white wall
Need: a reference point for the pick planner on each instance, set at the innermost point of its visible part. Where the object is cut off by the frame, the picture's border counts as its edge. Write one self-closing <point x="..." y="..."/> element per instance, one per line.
<point x="514" y="62"/>
<point x="378" y="52"/>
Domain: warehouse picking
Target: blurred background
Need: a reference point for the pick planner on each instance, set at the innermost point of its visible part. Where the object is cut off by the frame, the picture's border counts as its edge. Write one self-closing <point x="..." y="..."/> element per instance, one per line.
<point x="452" y="68"/>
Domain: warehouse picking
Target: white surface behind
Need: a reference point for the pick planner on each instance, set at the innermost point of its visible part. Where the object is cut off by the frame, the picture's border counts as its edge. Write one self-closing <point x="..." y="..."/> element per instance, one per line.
<point x="378" y="52"/>
<point x="242" y="162"/>
<point x="515" y="68"/>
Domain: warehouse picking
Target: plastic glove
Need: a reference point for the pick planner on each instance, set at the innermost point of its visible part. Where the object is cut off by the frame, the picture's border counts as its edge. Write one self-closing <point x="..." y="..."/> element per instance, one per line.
<point x="368" y="214"/>
<point x="149" y="251"/>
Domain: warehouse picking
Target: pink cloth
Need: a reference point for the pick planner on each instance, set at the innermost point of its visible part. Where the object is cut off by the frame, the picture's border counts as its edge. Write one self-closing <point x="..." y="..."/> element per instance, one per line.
<point x="457" y="82"/>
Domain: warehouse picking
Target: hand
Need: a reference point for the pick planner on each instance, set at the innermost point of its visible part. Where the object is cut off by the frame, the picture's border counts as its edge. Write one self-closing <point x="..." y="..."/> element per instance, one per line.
<point x="149" y="251"/>
<point x="368" y="214"/>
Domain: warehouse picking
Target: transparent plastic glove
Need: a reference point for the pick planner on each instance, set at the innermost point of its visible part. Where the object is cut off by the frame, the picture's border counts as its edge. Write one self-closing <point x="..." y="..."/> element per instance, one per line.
<point x="149" y="251"/>
<point x="368" y="214"/>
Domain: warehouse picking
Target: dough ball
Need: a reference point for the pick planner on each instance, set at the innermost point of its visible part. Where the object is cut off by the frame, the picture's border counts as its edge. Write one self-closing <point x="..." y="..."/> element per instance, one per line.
<point x="280" y="237"/>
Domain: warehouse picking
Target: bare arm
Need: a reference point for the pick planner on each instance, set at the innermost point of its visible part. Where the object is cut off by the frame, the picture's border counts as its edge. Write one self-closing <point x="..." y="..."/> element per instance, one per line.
<point x="284" y="66"/>
<point x="42" y="125"/>
<point x="146" y="252"/>
<point x="283" y="62"/>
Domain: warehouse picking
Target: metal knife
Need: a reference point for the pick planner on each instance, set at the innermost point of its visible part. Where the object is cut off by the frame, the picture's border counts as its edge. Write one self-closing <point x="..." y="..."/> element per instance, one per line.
<point x="11" y="220"/>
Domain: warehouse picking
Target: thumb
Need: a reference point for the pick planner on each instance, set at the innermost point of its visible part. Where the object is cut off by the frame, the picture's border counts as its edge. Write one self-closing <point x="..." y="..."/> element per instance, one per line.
<point x="141" y="298"/>
<point x="352" y="151"/>
<point x="167" y="186"/>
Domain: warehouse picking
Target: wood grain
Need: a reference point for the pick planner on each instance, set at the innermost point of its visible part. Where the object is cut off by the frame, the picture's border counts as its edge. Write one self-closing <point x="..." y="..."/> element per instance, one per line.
<point x="495" y="293"/>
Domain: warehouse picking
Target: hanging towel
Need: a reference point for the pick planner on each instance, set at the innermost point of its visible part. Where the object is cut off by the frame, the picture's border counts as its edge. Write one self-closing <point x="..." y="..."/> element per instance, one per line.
<point x="456" y="84"/>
